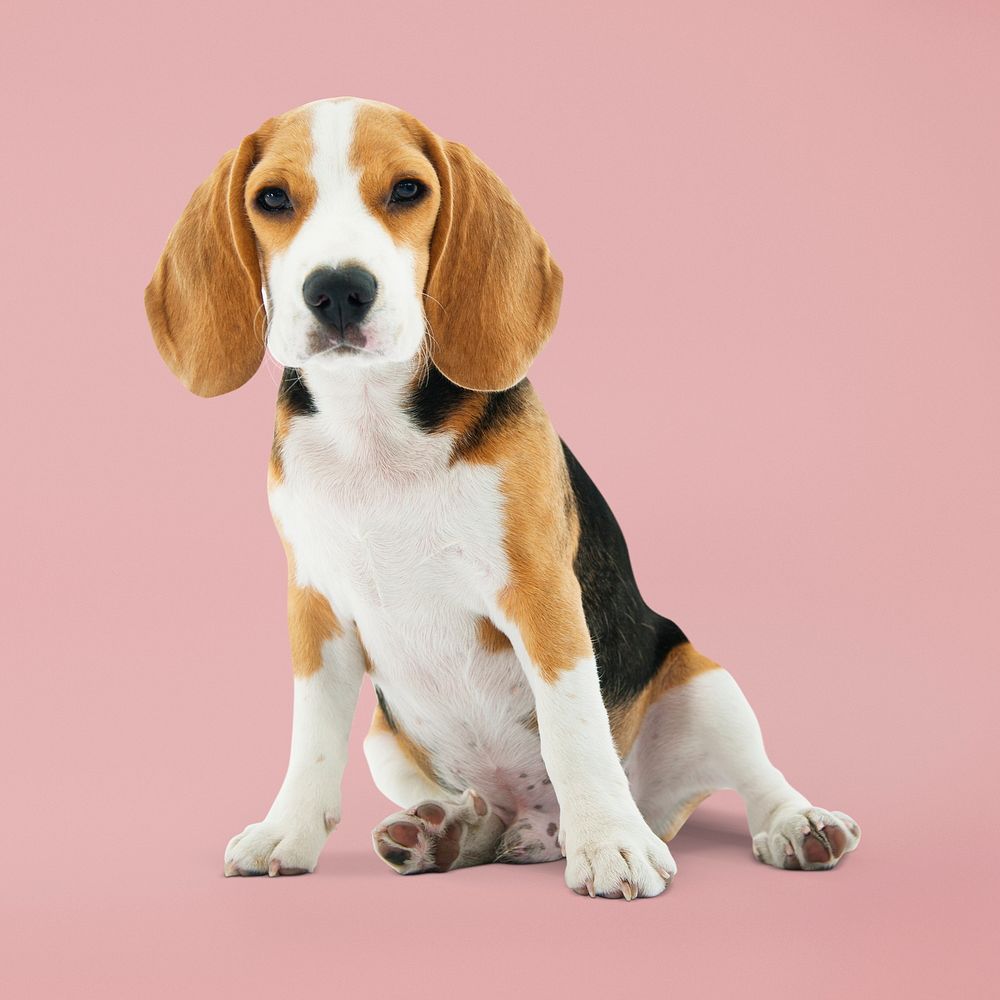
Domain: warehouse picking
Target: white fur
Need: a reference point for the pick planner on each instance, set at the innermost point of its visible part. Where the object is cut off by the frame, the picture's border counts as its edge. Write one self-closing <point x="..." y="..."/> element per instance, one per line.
<point x="702" y="736"/>
<point x="609" y="847"/>
<point x="307" y="806"/>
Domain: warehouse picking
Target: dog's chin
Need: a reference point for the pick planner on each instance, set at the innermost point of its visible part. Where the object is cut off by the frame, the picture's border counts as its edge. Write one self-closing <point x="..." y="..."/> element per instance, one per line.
<point x="336" y="352"/>
<point x="360" y="349"/>
<point x="341" y="358"/>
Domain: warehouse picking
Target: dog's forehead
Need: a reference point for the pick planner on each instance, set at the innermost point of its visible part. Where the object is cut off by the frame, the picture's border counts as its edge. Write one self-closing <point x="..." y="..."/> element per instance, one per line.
<point x="339" y="136"/>
<point x="385" y="137"/>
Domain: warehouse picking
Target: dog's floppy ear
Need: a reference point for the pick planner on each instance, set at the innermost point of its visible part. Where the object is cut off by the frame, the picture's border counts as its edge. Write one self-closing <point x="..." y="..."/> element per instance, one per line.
<point x="204" y="302"/>
<point x="493" y="290"/>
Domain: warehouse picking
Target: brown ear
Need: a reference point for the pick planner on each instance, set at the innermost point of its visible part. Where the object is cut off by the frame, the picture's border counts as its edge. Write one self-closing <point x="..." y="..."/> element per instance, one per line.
<point x="492" y="292"/>
<point x="204" y="302"/>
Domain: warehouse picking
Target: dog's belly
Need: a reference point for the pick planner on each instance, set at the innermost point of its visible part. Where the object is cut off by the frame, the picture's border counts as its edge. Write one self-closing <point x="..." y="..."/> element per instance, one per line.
<point x="468" y="709"/>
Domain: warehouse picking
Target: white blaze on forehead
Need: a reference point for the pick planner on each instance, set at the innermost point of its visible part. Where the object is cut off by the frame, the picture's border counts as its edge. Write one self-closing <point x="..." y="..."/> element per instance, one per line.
<point x="343" y="226"/>
<point x="333" y="127"/>
<point x="341" y="230"/>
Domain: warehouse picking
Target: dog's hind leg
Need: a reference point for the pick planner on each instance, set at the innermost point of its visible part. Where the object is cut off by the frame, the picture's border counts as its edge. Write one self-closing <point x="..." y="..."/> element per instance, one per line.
<point x="700" y="735"/>
<point x="398" y="767"/>
<point x="445" y="830"/>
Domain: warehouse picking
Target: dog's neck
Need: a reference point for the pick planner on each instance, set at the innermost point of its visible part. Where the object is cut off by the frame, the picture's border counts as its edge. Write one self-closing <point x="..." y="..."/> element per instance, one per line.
<point x="369" y="418"/>
<point x="360" y="395"/>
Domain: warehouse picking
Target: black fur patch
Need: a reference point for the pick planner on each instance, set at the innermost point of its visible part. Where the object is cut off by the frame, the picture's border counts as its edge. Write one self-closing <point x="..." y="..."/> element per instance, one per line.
<point x="630" y="639"/>
<point x="435" y="398"/>
<point x="389" y="720"/>
<point x="295" y="394"/>
<point x="500" y="408"/>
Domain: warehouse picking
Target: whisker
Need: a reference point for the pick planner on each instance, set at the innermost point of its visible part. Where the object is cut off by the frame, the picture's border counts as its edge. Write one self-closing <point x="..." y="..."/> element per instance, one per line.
<point x="437" y="302"/>
<point x="430" y="333"/>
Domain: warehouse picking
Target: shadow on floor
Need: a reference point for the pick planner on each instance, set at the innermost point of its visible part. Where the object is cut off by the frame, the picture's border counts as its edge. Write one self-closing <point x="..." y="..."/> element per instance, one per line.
<point x="712" y="831"/>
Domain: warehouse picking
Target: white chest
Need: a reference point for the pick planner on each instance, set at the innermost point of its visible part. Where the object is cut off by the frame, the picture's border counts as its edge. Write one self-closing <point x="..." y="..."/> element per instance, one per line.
<point x="386" y="535"/>
<point x="408" y="547"/>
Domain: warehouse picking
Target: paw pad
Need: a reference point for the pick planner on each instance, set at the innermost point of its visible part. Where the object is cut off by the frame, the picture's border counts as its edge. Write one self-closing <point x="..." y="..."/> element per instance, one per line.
<point x="438" y="836"/>
<point x="404" y="834"/>
<point x="430" y="811"/>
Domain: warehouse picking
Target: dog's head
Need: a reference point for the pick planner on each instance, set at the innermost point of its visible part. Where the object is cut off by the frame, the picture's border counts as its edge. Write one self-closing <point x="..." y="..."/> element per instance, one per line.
<point x="367" y="239"/>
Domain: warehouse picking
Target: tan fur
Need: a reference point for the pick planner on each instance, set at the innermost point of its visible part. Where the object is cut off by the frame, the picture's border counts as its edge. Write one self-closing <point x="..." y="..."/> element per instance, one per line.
<point x="460" y="420"/>
<point x="679" y="666"/>
<point x="311" y="621"/>
<point x="369" y="665"/>
<point x="493" y="290"/>
<point x="204" y="300"/>
<point x="284" y="152"/>
<point x="541" y="532"/>
<point x="415" y="753"/>
<point x="682" y="816"/>
<point x="282" y="425"/>
<point x="490" y="637"/>
<point x="389" y="147"/>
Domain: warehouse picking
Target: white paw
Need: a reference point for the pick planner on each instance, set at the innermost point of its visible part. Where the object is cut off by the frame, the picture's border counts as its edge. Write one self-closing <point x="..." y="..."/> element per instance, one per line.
<point x="624" y="861"/>
<point x="811" y="839"/>
<point x="275" y="848"/>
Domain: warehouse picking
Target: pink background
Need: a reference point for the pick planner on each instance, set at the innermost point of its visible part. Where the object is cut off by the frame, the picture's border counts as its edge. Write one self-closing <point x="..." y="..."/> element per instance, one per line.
<point x="778" y="355"/>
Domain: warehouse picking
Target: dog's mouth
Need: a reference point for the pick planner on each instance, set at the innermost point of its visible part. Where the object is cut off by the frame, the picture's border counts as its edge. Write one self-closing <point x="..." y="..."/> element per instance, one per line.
<point x="327" y="342"/>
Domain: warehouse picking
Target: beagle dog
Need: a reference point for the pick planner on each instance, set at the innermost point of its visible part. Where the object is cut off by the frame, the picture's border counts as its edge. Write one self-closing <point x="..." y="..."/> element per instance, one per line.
<point x="440" y="536"/>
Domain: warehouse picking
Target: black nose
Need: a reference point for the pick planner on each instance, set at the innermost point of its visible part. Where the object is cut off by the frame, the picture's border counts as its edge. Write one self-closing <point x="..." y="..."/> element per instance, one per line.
<point x="340" y="297"/>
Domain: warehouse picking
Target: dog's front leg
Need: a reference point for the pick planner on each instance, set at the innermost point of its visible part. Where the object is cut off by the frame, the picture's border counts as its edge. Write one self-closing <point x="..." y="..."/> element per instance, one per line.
<point x="610" y="850"/>
<point x="329" y="664"/>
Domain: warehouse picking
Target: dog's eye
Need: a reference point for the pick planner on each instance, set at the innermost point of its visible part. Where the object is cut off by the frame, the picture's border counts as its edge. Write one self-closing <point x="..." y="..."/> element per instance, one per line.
<point x="274" y="199"/>
<point x="406" y="191"/>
